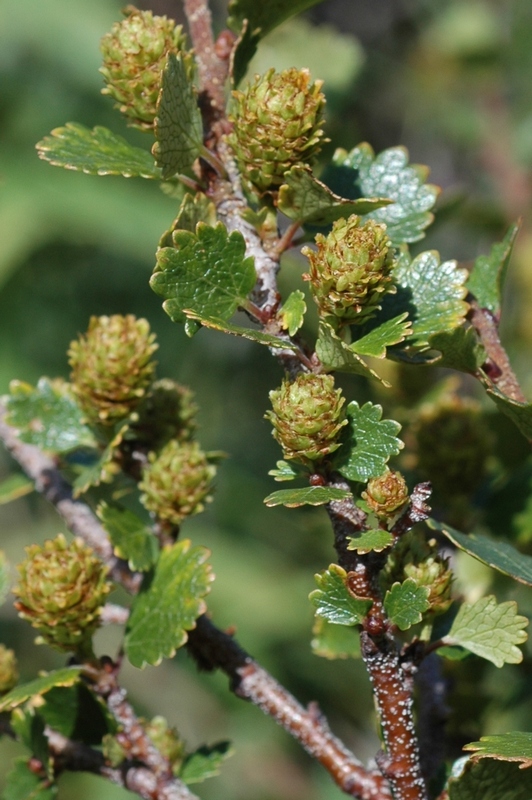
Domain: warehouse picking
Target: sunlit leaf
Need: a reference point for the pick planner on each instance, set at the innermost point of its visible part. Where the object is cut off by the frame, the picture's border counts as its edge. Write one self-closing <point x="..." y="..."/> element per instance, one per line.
<point x="369" y="443"/>
<point x="405" y="603"/>
<point x="333" y="601"/>
<point x="336" y="355"/>
<point x="205" y="762"/>
<point x="284" y="472"/>
<point x="131" y="538"/>
<point x="460" y="349"/>
<point x="20" y="694"/>
<point x="486" y="279"/>
<point x="376" y="540"/>
<point x="309" y="496"/>
<point x="511" y="746"/>
<point x="375" y="342"/>
<point x="293" y="311"/>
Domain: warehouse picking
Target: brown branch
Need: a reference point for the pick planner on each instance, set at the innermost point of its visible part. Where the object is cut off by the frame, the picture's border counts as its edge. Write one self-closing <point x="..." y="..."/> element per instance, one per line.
<point x="212" y="58"/>
<point x="214" y="649"/>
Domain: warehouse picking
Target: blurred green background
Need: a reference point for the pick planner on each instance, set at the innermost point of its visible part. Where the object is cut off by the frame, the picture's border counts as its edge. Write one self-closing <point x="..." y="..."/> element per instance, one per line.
<point x="451" y="80"/>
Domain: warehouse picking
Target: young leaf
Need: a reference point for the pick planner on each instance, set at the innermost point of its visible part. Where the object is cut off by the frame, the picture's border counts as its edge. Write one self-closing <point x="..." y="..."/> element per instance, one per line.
<point x="266" y="15"/>
<point x="369" y="443"/>
<point x="306" y="199"/>
<point x="511" y="746"/>
<point x="61" y="677"/>
<point x="405" y="603"/>
<point x="391" y="332"/>
<point x="284" y="472"/>
<point x="333" y="601"/>
<point x="496" y="554"/>
<point x="14" y="487"/>
<point x="389" y="175"/>
<point x="168" y="604"/>
<point x="205" y="762"/>
<point x="178" y="125"/>
<point x="96" y="152"/>
<point x="460" y="349"/>
<point x="489" y="779"/>
<point x="47" y="416"/>
<point x="293" y="312"/>
<point x="336" y="355"/>
<point x="489" y="629"/>
<point x="252" y="334"/>
<point x="376" y="540"/>
<point x="131" y="538"/>
<point x="206" y="273"/>
<point x="334" y="641"/>
<point x="23" y="784"/>
<point x="486" y="279"/>
<point x="309" y="496"/>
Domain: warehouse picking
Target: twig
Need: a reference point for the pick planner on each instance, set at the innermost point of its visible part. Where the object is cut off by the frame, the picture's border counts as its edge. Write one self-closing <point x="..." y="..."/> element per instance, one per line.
<point x="213" y="69"/>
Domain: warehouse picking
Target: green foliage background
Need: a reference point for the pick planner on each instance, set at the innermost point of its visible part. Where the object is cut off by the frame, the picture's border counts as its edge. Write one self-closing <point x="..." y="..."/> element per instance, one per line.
<point x="450" y="80"/>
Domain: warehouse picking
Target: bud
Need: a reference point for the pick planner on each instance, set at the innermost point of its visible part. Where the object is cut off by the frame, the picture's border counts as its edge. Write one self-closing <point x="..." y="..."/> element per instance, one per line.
<point x="134" y="55"/>
<point x="351" y="270"/>
<point x="8" y="669"/>
<point x="386" y="494"/>
<point x="307" y="417"/>
<point x="177" y="482"/>
<point x="61" y="591"/>
<point x="112" y="367"/>
<point x="167" y="412"/>
<point x="277" y="121"/>
<point x="415" y="557"/>
<point x="167" y="741"/>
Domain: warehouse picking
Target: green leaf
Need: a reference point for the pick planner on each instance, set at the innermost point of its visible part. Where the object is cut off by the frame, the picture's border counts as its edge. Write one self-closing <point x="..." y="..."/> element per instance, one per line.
<point x="252" y="334"/>
<point x="14" y="487"/>
<point x="519" y="413"/>
<point x="168" y="604"/>
<point x="336" y="355"/>
<point x="205" y="762"/>
<point x="309" y="496"/>
<point x="23" y="784"/>
<point x="460" y="349"/>
<point x="206" y="273"/>
<point x="496" y="554"/>
<point x="47" y="416"/>
<point x="389" y="175"/>
<point x="369" y="443"/>
<point x="61" y="677"/>
<point x="284" y="472"/>
<point x="333" y="601"/>
<point x="376" y="540"/>
<point x="131" y="538"/>
<point x="391" y="332"/>
<point x="5" y="577"/>
<point x="193" y="209"/>
<point x="244" y="49"/>
<point x="266" y="15"/>
<point x="77" y="713"/>
<point x="511" y="746"/>
<point x="405" y="603"/>
<point x="102" y="467"/>
<point x="489" y="779"/>
<point x="489" y="629"/>
<point x="486" y="279"/>
<point x="293" y="312"/>
<point x="334" y="641"/>
<point x="306" y="199"/>
<point x="96" y="152"/>
<point x="178" y="125"/>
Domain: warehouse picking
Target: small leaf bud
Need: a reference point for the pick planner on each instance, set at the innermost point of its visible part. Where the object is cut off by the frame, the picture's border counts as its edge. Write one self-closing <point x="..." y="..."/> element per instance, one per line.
<point x="307" y="417"/>
<point x="386" y="494"/>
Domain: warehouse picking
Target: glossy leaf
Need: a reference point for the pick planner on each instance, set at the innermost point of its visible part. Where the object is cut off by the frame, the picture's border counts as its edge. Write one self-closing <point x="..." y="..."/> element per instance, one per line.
<point x="334" y="641"/>
<point x="206" y="273"/>
<point x="204" y="763"/>
<point x="193" y="209"/>
<point x="336" y="355"/>
<point x="489" y="629"/>
<point x="460" y="349"/>
<point x="23" y="784"/>
<point x="511" y="746"/>
<point x="309" y="496"/>
<point x="131" y="538"/>
<point x="405" y="603"/>
<point x="96" y="152"/>
<point x="390" y="175"/>
<point x="306" y="199"/>
<point x="486" y="279"/>
<point x="489" y="779"/>
<point x="61" y="677"/>
<point x="168" y="604"/>
<point x="178" y="125"/>
<point x="368" y="444"/>
<point x="497" y="554"/>
<point x="293" y="311"/>
<point x="376" y="342"/>
<point x="47" y="416"/>
<point x="376" y="540"/>
<point x="266" y="15"/>
<point x="252" y="334"/>
<point x="333" y="601"/>
<point x="284" y="472"/>
<point x="14" y="487"/>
